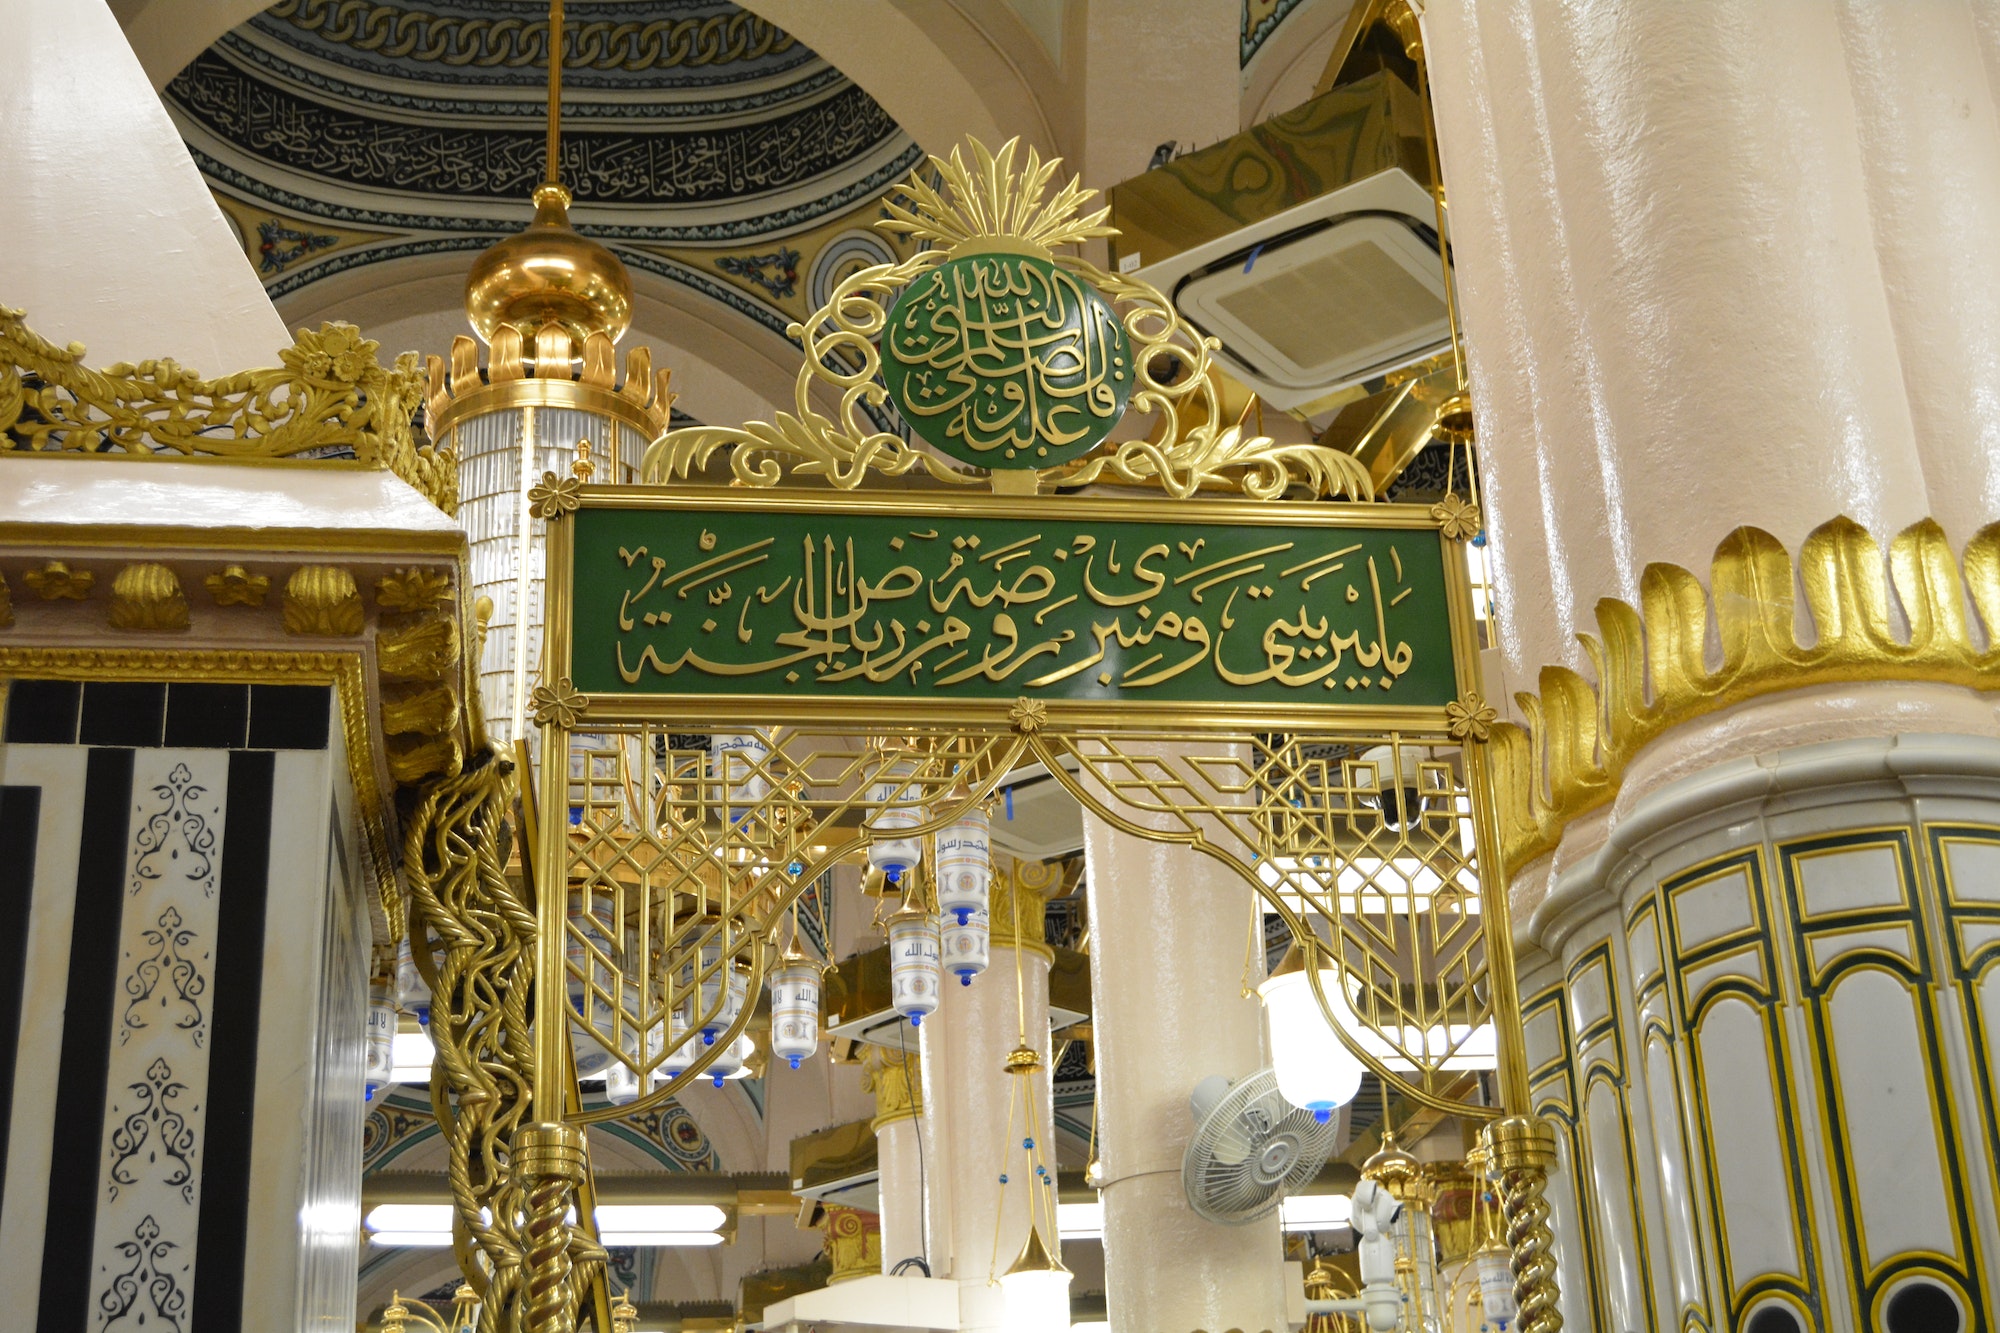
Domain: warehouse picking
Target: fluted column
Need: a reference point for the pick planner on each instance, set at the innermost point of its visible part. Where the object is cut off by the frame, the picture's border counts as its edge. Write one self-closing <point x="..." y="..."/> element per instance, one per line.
<point x="1673" y="306"/>
<point x="975" y="1225"/>
<point x="896" y="1079"/>
<point x="1166" y="962"/>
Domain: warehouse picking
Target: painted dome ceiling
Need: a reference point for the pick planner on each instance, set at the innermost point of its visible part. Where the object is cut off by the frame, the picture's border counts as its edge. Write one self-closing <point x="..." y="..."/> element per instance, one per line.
<point x="706" y="145"/>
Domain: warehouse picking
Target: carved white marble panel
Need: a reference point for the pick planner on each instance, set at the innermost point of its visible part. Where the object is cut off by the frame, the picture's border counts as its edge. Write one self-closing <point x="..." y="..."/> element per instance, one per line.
<point x="1644" y="948"/>
<point x="1975" y="869"/>
<point x="1851" y="880"/>
<point x="1589" y="996"/>
<point x="148" y="1205"/>
<point x="1713" y="908"/>
<point x="1825" y="948"/>
<point x="1746" y="1141"/>
<point x="1745" y="964"/>
<point x="1886" y="1100"/>
<point x="1676" y="1187"/>
<point x="1620" y="1249"/>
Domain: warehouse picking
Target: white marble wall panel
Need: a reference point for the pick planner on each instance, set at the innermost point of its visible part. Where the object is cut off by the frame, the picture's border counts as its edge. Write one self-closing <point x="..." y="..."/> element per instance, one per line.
<point x="149" y="1188"/>
<point x="58" y="770"/>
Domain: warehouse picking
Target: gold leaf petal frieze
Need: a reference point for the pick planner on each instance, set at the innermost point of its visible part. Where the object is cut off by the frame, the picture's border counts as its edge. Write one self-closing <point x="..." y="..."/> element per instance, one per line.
<point x="1651" y="662"/>
<point x="322" y="600"/>
<point x="148" y="596"/>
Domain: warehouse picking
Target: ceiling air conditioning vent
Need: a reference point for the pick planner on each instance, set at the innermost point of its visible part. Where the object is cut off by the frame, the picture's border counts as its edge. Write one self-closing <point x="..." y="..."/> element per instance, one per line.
<point x="1331" y="292"/>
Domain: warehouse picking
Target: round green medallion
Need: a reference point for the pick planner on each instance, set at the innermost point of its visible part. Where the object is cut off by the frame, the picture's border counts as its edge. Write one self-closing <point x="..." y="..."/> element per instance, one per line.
<point x="1006" y="361"/>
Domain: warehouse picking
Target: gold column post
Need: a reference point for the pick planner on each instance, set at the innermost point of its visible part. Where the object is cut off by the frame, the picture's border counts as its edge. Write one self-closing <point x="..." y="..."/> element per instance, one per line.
<point x="1523" y="1145"/>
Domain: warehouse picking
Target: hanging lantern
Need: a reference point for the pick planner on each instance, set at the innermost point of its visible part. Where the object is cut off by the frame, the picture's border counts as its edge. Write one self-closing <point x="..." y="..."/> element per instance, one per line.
<point x="1492" y="1261"/>
<point x="913" y="957"/>
<point x="730" y="1060"/>
<point x="621" y="1084"/>
<point x="380" y="1064"/>
<point x="795" y="990"/>
<point x="734" y="980"/>
<point x="1036" y="1289"/>
<point x="413" y="996"/>
<point x="682" y="1053"/>
<point x="1315" y="1069"/>
<point x="966" y="944"/>
<point x="964" y="867"/>
<point x="737" y="759"/>
<point x="895" y="810"/>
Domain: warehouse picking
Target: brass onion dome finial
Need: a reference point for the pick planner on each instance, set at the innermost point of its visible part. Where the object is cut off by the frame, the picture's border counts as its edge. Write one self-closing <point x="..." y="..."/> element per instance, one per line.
<point x="549" y="273"/>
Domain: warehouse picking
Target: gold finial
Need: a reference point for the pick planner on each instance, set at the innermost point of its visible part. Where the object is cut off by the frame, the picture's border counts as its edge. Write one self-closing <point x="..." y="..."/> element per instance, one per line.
<point x="582" y="468"/>
<point x="549" y="274"/>
<point x="624" y="1314"/>
<point x="988" y="205"/>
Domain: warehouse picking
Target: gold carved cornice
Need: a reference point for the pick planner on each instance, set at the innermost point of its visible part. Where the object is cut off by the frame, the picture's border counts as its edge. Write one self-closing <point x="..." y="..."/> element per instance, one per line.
<point x="329" y="404"/>
<point x="1652" y="662"/>
<point x="896" y="1079"/>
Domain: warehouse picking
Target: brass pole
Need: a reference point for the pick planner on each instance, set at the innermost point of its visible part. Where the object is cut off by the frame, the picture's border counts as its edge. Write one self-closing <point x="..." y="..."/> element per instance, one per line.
<point x="552" y="166"/>
<point x="1523" y="1144"/>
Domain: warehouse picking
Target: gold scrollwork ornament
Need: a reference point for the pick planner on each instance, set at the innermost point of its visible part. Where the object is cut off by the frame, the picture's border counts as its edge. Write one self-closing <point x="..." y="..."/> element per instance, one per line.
<point x="985" y="205"/>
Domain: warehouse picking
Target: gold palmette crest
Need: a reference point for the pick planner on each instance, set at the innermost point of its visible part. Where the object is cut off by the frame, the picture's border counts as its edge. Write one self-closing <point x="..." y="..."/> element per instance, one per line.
<point x="1652" y="661"/>
<point x="977" y="201"/>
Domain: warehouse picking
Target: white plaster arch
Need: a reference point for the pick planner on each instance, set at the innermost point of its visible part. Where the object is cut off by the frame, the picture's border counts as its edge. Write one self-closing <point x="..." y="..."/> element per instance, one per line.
<point x="167" y="34"/>
<point x="942" y="70"/>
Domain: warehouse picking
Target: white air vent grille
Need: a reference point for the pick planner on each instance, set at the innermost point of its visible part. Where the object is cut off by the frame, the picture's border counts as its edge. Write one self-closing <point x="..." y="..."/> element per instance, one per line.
<point x="1359" y="299"/>
<point x="1335" y="291"/>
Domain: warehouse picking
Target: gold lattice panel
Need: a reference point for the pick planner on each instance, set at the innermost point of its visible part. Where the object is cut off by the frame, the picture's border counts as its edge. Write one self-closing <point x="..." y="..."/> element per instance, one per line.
<point x="1365" y="842"/>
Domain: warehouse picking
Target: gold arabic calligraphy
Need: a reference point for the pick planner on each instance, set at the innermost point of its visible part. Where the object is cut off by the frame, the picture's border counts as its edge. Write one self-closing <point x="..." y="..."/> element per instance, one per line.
<point x="1277" y="613"/>
<point x="1007" y="353"/>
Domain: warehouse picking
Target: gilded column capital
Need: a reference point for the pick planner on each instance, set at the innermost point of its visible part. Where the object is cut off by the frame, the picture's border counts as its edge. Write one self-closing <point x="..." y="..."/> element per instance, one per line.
<point x="896" y="1079"/>
<point x="1653" y="669"/>
<point x="853" y="1243"/>
<point x="1032" y="882"/>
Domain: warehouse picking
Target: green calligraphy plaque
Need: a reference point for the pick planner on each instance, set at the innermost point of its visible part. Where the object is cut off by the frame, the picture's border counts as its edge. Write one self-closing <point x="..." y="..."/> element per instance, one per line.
<point x="1007" y="361"/>
<point x="990" y="598"/>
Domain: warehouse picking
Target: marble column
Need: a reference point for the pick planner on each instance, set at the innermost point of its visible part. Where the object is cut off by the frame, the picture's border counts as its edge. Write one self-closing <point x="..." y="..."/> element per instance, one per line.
<point x="975" y="1226"/>
<point x="896" y="1079"/>
<point x="1166" y="963"/>
<point x="1716" y="271"/>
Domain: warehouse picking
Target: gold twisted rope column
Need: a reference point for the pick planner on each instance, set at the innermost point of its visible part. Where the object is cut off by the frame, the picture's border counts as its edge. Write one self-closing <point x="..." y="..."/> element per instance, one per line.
<point x="1524" y="1152"/>
<point x="474" y="935"/>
